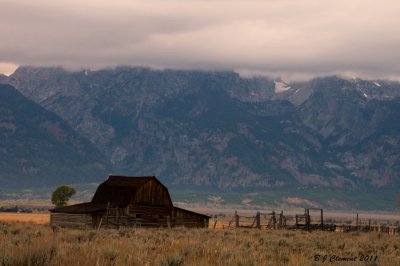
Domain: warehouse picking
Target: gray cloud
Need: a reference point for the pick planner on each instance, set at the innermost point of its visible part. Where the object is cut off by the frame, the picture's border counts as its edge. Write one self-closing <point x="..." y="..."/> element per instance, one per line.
<point x="292" y="38"/>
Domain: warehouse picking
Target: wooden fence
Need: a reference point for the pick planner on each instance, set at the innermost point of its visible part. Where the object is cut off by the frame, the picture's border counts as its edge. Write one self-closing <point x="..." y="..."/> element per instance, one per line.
<point x="305" y="221"/>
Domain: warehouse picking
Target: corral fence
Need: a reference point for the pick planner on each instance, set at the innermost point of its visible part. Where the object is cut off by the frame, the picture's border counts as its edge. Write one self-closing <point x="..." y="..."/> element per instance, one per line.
<point x="311" y="219"/>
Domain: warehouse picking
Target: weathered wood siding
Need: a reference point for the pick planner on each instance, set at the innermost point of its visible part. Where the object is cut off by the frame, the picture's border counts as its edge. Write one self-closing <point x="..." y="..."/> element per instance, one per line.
<point x="134" y="215"/>
<point x="148" y="211"/>
<point x="131" y="216"/>
<point x="181" y="217"/>
<point x="71" y="220"/>
<point x="152" y="193"/>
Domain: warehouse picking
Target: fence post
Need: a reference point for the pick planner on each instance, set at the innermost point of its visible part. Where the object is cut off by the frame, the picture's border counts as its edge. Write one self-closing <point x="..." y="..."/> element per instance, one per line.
<point x="357" y="222"/>
<point x="169" y="221"/>
<point x="236" y="219"/>
<point x="307" y="218"/>
<point x="99" y="225"/>
<point x="108" y="209"/>
<point x="258" y="220"/>
<point x="117" y="214"/>
<point x="281" y="219"/>
<point x="215" y="224"/>
<point x="273" y="219"/>
<point x="322" y="219"/>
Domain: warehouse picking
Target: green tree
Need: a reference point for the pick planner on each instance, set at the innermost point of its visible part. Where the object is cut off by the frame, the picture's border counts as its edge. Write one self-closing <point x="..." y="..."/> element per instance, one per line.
<point x="61" y="195"/>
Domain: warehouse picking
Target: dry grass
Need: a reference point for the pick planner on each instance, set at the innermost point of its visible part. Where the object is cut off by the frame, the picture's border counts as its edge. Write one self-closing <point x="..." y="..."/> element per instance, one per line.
<point x="35" y="218"/>
<point x="33" y="244"/>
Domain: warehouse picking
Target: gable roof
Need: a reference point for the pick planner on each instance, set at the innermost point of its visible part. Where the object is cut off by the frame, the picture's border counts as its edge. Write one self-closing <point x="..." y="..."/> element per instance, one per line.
<point x="119" y="189"/>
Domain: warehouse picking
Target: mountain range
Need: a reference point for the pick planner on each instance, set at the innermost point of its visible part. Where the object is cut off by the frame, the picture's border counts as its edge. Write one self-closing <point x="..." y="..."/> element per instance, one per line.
<point x="39" y="148"/>
<point x="199" y="129"/>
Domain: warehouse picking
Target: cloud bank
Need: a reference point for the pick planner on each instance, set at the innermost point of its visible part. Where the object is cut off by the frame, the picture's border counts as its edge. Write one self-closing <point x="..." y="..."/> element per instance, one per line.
<point x="292" y="38"/>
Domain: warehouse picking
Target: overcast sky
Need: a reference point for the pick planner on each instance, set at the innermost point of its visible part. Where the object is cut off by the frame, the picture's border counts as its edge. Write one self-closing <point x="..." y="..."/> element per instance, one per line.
<point x="297" y="39"/>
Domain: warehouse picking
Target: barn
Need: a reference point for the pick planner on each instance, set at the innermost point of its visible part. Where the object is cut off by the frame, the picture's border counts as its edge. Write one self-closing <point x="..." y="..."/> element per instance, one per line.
<point x="127" y="201"/>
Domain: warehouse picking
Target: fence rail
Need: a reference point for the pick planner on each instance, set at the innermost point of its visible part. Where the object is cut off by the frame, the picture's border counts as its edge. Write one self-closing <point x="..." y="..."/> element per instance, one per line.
<point x="305" y="221"/>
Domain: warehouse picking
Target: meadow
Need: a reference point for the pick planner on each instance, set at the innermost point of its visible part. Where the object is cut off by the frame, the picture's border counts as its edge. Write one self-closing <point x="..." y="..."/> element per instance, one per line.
<point x="33" y="218"/>
<point x="32" y="243"/>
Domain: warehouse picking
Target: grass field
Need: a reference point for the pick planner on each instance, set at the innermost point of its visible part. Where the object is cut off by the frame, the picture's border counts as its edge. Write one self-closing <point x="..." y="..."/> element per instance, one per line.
<point x="34" y="218"/>
<point x="30" y="243"/>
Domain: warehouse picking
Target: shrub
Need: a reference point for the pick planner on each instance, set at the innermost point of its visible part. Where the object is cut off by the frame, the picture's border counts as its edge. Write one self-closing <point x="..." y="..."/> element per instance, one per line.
<point x="109" y="254"/>
<point x="172" y="261"/>
<point x="5" y="260"/>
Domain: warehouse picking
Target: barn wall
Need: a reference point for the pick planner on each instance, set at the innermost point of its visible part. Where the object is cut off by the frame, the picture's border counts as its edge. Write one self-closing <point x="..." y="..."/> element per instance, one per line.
<point x="152" y="194"/>
<point x="134" y="215"/>
<point x="131" y="215"/>
<point x="71" y="220"/>
<point x="181" y="217"/>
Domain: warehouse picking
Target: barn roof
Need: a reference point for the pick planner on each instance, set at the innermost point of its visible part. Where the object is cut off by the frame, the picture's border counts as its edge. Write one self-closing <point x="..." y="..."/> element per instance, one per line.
<point x="191" y="212"/>
<point x="121" y="189"/>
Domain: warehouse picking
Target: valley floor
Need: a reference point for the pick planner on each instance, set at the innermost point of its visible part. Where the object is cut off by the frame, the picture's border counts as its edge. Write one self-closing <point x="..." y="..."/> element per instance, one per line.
<point x="224" y="215"/>
<point x="27" y="243"/>
<point x="34" y="218"/>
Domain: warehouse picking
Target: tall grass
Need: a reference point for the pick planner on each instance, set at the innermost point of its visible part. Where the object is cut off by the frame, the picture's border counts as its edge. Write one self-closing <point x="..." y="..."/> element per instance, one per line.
<point x="30" y="244"/>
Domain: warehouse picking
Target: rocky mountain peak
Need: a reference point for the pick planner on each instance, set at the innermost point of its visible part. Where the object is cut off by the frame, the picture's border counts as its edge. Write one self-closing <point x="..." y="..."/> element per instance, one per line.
<point x="218" y="129"/>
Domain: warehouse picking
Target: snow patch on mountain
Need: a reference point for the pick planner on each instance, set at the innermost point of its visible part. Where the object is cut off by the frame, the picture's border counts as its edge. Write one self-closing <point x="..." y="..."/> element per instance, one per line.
<point x="281" y="86"/>
<point x="377" y="84"/>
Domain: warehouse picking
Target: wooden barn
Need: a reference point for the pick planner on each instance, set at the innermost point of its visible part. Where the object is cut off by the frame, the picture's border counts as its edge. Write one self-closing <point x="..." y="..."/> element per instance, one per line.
<point x="127" y="201"/>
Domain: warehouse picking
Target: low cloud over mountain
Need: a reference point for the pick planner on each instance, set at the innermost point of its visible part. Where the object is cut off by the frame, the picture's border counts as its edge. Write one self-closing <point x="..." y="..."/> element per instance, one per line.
<point x="295" y="39"/>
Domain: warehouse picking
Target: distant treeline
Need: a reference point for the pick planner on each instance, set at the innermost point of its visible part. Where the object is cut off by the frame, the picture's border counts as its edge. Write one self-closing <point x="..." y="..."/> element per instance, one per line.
<point x="15" y="209"/>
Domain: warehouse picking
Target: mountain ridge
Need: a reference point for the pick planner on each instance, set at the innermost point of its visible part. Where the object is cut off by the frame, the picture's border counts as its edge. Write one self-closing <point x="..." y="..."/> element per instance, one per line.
<point x="207" y="129"/>
<point x="39" y="148"/>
